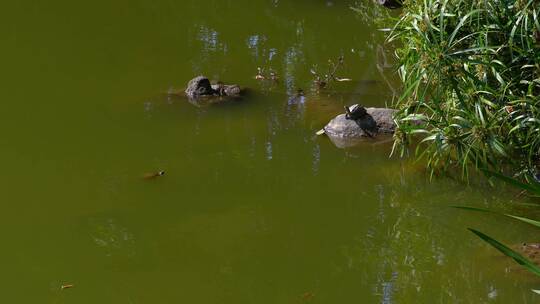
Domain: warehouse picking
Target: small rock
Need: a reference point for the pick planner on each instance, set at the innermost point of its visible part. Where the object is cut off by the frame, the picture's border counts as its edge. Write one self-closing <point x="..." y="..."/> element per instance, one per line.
<point x="199" y="86"/>
<point x="226" y="90"/>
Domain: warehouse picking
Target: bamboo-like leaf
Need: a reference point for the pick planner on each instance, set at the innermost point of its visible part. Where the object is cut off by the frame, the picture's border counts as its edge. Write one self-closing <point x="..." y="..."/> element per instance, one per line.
<point x="525" y="220"/>
<point x="526" y="263"/>
<point x="519" y="218"/>
<point x="461" y="22"/>
<point x="455" y="60"/>
<point x="415" y="117"/>
<point x="534" y="189"/>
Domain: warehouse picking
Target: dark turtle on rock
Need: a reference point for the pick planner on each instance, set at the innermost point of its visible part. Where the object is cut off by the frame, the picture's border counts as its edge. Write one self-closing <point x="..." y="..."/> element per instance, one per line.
<point x="361" y="117"/>
<point x="355" y="112"/>
<point x="360" y="122"/>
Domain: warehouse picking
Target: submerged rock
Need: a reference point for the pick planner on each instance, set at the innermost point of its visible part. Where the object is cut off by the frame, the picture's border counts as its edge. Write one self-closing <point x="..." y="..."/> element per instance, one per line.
<point x="529" y="250"/>
<point x="226" y="90"/>
<point x="358" y="124"/>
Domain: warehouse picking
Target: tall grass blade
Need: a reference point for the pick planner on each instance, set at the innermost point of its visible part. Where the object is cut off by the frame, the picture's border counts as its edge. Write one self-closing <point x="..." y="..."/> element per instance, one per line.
<point x="519" y="218"/>
<point x="534" y="189"/>
<point x="526" y="263"/>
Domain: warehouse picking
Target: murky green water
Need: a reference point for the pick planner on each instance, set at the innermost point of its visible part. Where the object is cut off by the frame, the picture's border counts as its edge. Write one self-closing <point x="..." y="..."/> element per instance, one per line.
<point x="253" y="208"/>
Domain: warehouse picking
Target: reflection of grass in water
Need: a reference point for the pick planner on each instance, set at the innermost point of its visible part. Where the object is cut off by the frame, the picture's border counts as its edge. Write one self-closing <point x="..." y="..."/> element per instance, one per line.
<point x="520" y="256"/>
<point x="412" y="247"/>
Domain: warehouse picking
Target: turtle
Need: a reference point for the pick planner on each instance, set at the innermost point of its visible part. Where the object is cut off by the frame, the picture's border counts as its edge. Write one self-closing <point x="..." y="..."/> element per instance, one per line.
<point x="360" y="115"/>
<point x="355" y="112"/>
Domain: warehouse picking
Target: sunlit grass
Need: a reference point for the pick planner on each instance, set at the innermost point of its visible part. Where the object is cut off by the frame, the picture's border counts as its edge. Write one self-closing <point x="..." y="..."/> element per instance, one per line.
<point x="471" y="83"/>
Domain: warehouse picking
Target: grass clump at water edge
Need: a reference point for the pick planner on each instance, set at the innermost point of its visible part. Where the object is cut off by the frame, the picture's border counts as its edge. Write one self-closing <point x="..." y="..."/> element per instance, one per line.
<point x="471" y="83"/>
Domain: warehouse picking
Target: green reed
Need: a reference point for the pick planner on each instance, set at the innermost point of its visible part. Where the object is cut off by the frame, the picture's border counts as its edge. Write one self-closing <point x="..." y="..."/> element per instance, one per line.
<point x="471" y="83"/>
<point x="532" y="187"/>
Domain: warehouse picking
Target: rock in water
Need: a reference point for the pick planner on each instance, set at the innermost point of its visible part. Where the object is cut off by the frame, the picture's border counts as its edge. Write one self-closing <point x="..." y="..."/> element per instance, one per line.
<point x="376" y="121"/>
<point x="226" y="90"/>
<point x="200" y="91"/>
<point x="199" y="86"/>
<point x="346" y="130"/>
<point x="384" y="118"/>
<point x="232" y="90"/>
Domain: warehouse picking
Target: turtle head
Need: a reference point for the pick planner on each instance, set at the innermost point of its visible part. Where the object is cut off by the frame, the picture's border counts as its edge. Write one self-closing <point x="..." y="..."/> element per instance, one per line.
<point x="347" y="112"/>
<point x="355" y="112"/>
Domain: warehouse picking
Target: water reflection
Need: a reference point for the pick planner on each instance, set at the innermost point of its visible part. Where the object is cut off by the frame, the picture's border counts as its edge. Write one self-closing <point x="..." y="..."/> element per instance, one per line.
<point x="255" y="208"/>
<point x="114" y="239"/>
<point x="254" y="44"/>
<point x="210" y="49"/>
<point x="210" y="41"/>
<point x="412" y="249"/>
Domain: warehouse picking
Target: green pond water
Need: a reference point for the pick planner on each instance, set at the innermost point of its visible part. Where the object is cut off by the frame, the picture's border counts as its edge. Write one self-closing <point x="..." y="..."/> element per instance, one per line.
<point x="253" y="208"/>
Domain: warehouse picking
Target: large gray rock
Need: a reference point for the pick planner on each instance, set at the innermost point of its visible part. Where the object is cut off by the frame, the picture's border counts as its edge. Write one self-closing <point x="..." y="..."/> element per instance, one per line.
<point x="377" y="121"/>
<point x="347" y="130"/>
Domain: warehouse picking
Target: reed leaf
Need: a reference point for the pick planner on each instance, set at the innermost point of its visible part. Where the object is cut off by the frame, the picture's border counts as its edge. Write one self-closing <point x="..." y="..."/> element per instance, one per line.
<point x="521" y="260"/>
<point x="478" y="60"/>
<point x="519" y="218"/>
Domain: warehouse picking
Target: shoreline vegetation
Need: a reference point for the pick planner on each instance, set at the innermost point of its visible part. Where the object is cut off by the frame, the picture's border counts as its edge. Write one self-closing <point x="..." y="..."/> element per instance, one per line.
<point x="470" y="71"/>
